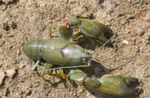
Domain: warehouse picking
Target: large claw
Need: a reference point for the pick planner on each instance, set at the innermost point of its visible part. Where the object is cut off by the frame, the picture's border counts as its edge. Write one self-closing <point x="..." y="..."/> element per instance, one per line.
<point x="96" y="30"/>
<point x="108" y="84"/>
<point x="117" y="85"/>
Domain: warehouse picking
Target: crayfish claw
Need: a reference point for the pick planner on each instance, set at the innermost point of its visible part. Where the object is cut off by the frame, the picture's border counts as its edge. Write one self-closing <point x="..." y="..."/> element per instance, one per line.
<point x="117" y="85"/>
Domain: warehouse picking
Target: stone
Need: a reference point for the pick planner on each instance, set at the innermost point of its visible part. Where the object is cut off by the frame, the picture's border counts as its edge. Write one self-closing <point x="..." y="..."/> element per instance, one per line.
<point x="2" y="42"/>
<point x="2" y="77"/>
<point x="11" y="72"/>
<point x="125" y="42"/>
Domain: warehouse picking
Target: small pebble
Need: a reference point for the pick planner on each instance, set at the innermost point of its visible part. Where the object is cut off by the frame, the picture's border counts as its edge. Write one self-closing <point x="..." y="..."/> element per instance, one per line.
<point x="11" y="72"/>
<point x="130" y="17"/>
<point x="147" y="17"/>
<point x="125" y="42"/>
<point x="3" y="7"/>
<point x="1" y="35"/>
<point x="4" y="97"/>
<point x="2" y="76"/>
<point x="141" y="32"/>
<point x="80" y="90"/>
<point x="57" y="80"/>
<point x="21" y="66"/>
<point x="147" y="37"/>
<point x="11" y="34"/>
<point x="2" y="43"/>
<point x="8" y="25"/>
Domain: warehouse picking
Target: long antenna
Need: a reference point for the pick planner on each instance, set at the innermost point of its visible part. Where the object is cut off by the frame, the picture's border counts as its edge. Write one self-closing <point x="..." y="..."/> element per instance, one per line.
<point x="95" y="59"/>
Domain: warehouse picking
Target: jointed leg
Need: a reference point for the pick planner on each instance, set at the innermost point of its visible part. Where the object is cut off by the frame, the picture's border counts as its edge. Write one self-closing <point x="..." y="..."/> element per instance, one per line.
<point x="35" y="64"/>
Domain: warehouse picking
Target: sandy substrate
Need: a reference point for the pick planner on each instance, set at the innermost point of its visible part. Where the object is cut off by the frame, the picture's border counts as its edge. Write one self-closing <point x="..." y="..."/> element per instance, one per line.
<point x="21" y="20"/>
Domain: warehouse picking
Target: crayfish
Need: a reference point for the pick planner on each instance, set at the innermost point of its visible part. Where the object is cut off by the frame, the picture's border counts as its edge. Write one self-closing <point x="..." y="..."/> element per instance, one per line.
<point x="64" y="53"/>
<point x="90" y="29"/>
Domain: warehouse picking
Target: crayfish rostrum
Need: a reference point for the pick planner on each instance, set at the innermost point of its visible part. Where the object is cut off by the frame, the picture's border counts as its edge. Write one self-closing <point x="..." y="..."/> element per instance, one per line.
<point x="64" y="53"/>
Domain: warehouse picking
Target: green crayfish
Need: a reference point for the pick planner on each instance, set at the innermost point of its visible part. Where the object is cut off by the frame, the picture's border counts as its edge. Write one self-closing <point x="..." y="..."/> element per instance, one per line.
<point x="91" y="29"/>
<point x="61" y="53"/>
